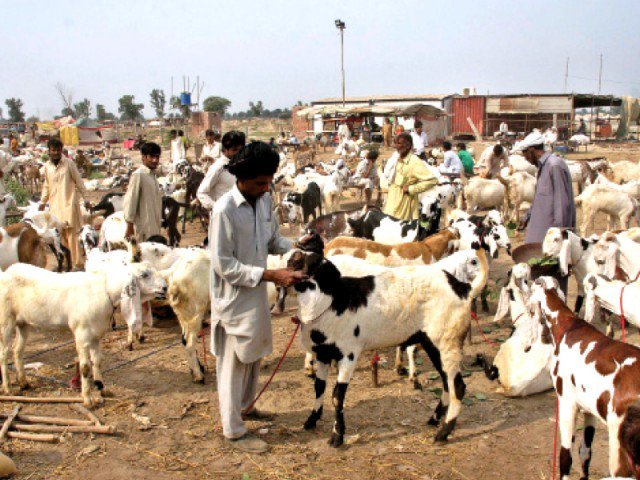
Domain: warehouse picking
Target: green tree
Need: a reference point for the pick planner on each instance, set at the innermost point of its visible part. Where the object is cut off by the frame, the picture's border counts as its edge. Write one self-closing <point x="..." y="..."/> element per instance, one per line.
<point x="255" y="109"/>
<point x="82" y="109"/>
<point x="33" y="119"/>
<point x="102" y="114"/>
<point x="215" y="104"/>
<point x="15" y="109"/>
<point x="129" y="110"/>
<point x="158" y="102"/>
<point x="67" y="112"/>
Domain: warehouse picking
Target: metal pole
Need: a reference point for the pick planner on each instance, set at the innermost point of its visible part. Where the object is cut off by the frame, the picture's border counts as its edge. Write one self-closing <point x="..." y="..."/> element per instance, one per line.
<point x="566" y="75"/>
<point x="342" y="61"/>
<point x="600" y="76"/>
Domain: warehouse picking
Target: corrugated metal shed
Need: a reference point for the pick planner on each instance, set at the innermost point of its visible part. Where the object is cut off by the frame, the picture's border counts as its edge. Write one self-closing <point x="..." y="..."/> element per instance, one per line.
<point x="461" y="108"/>
<point x="530" y="104"/>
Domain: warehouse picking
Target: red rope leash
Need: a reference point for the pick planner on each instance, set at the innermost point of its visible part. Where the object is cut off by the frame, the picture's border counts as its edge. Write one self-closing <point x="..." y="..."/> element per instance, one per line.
<point x="286" y="350"/>
<point x="486" y="339"/>
<point x="623" y="319"/>
<point x="555" y="442"/>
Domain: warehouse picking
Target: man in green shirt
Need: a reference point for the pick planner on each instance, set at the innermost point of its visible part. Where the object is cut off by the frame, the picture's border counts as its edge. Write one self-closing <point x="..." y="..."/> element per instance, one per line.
<point x="465" y="158"/>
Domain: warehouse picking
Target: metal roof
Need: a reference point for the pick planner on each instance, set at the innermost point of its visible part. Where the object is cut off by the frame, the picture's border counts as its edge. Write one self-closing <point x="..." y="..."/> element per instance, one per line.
<point x="383" y="98"/>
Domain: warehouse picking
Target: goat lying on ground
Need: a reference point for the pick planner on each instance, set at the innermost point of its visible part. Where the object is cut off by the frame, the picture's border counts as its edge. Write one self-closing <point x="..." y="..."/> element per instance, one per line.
<point x="83" y="302"/>
<point x="344" y="316"/>
<point x="595" y="374"/>
<point x="520" y="371"/>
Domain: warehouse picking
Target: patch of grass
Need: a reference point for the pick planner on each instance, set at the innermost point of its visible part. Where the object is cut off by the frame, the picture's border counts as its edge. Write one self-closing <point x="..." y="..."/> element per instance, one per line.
<point x="20" y="193"/>
<point x="96" y="174"/>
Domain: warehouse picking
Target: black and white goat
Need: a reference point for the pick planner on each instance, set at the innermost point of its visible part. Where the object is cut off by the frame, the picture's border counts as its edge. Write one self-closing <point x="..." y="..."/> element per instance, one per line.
<point x="344" y="316"/>
<point x="303" y="205"/>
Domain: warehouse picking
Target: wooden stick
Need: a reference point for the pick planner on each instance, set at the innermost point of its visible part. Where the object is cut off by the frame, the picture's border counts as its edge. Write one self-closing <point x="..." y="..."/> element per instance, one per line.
<point x="19" y="399"/>
<point x="50" y="420"/>
<point x="7" y="423"/>
<point x="85" y="411"/>
<point x="43" y="437"/>
<point x="25" y="427"/>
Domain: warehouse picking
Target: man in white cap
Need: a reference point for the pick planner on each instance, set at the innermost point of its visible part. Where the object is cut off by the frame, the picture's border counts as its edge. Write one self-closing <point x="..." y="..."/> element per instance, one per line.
<point x="553" y="204"/>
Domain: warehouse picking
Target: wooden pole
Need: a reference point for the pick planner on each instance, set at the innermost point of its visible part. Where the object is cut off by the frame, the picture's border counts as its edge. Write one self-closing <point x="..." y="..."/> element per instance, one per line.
<point x="107" y="429"/>
<point x="42" y="437"/>
<point x="51" y="420"/>
<point x="85" y="411"/>
<point x="7" y="423"/>
<point x="19" y="399"/>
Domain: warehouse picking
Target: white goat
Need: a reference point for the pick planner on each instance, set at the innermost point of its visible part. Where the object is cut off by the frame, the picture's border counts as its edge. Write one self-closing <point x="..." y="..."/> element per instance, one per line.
<point x="81" y="301"/>
<point x="484" y="194"/>
<point x="601" y="198"/>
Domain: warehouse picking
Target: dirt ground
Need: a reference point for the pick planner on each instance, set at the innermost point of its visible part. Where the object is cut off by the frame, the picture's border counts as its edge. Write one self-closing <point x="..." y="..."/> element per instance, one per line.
<point x="168" y="427"/>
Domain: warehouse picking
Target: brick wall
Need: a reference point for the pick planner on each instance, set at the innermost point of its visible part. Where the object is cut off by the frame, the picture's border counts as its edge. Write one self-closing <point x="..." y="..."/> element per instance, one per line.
<point x="299" y="125"/>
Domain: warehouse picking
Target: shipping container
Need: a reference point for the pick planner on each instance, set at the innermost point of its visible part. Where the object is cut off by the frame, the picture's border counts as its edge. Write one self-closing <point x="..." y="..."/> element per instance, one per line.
<point x="462" y="108"/>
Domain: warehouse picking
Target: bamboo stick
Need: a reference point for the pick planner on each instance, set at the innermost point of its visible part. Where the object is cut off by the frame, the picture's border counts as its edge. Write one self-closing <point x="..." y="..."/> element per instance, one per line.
<point x="25" y="427"/>
<point x="50" y="420"/>
<point x="20" y="399"/>
<point x="43" y="437"/>
<point x="85" y="411"/>
<point x="7" y="423"/>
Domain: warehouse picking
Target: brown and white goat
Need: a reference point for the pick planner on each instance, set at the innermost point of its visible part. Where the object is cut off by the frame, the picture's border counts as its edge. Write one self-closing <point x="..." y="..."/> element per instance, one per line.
<point x="21" y="243"/>
<point x="595" y="374"/>
<point x="425" y="252"/>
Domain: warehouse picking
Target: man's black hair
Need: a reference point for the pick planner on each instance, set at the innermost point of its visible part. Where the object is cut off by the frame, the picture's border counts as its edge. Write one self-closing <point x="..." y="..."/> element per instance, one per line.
<point x="418" y="124"/>
<point x="253" y="161"/>
<point x="150" y="148"/>
<point x="498" y="149"/>
<point x="373" y="155"/>
<point x="54" y="142"/>
<point x="209" y="133"/>
<point x="406" y="136"/>
<point x="173" y="132"/>
<point x="232" y="139"/>
<point x="461" y="146"/>
<point x="446" y="145"/>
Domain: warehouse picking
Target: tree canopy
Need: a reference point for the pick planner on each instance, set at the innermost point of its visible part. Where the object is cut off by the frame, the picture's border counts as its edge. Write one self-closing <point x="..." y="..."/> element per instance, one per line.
<point x="158" y="102"/>
<point x="128" y="109"/>
<point x="82" y="109"/>
<point x="15" y="112"/>
<point x="216" y="104"/>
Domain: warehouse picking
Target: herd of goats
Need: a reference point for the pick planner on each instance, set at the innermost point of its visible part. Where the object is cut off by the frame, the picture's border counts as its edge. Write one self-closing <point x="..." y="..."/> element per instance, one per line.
<point x="360" y="263"/>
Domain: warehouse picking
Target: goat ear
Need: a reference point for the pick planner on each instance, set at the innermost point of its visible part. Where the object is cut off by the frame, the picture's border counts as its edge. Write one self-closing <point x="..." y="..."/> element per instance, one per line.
<point x="130" y="305"/>
<point x="591" y="307"/>
<point x="610" y="261"/>
<point x="564" y="258"/>
<point x="503" y="305"/>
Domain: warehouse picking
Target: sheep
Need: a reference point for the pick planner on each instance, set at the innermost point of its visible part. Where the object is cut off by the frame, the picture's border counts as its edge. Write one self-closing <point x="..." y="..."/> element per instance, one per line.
<point x="521" y="188"/>
<point x="456" y="264"/>
<point x="412" y="253"/>
<point x="21" y="243"/>
<point x="594" y="374"/>
<point x="484" y="194"/>
<point x="81" y="301"/>
<point x="600" y="198"/>
<point x="520" y="372"/>
<point x="580" y="140"/>
<point x="7" y="202"/>
<point x="344" y="316"/>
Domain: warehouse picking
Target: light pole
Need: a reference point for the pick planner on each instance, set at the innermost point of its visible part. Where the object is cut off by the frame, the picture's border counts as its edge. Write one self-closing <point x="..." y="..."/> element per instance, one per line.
<point x="340" y="25"/>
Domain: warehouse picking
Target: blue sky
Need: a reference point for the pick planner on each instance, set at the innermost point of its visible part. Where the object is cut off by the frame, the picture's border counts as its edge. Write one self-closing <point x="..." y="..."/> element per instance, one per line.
<point x="283" y="51"/>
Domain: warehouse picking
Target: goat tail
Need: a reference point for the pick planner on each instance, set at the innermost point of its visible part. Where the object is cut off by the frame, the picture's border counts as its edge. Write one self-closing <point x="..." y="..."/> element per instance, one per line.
<point x="629" y="434"/>
<point x="481" y="280"/>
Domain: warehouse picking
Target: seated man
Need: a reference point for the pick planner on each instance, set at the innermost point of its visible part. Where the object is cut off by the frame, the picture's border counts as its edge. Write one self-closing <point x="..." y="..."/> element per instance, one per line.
<point x="367" y="174"/>
<point x="452" y="165"/>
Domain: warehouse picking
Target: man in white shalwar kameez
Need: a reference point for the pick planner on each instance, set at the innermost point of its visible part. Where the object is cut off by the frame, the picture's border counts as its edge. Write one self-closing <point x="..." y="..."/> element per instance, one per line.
<point x="244" y="230"/>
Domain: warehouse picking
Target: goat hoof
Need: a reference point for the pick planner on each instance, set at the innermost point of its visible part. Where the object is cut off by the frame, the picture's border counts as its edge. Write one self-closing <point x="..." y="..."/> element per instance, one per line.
<point x="25" y="386"/>
<point x="433" y="421"/>
<point x="310" y="373"/>
<point x="99" y="385"/>
<point x="310" y="423"/>
<point x="130" y="347"/>
<point x="441" y="437"/>
<point x="336" y="440"/>
<point x="417" y="385"/>
<point x="199" y="380"/>
<point x="402" y="371"/>
<point x="141" y="339"/>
